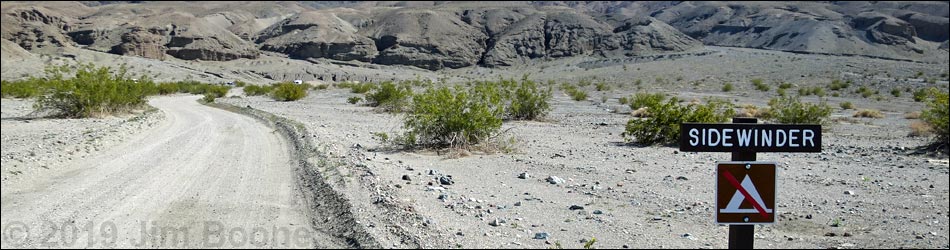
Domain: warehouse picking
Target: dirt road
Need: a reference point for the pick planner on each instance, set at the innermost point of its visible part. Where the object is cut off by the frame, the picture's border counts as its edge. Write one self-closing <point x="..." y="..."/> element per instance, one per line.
<point x="204" y="177"/>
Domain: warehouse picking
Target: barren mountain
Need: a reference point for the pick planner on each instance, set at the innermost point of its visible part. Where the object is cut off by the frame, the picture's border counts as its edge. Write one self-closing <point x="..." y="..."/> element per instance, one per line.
<point x="437" y="35"/>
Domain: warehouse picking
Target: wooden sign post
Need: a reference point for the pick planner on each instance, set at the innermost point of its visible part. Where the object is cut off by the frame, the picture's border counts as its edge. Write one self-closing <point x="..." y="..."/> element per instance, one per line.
<point x="744" y="137"/>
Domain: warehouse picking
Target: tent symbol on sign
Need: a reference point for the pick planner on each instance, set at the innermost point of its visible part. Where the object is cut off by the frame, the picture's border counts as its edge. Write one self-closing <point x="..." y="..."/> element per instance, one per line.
<point x="744" y="190"/>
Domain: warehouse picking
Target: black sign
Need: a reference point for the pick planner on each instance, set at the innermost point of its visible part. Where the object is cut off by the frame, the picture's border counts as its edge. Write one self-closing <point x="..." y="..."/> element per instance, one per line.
<point x="738" y="137"/>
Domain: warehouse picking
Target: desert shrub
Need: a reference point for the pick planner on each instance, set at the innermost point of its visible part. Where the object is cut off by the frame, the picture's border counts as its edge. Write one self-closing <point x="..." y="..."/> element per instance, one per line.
<point x="444" y="117"/>
<point x="641" y="100"/>
<point x="529" y="101"/>
<point x="788" y="110"/>
<point x="751" y="111"/>
<point x="361" y="88"/>
<point x="865" y="92"/>
<point x="727" y="87"/>
<point x="847" y="105"/>
<point x="390" y="96"/>
<point x="896" y="92"/>
<point x="29" y="88"/>
<point x="912" y="115"/>
<point x="353" y="99"/>
<point x="759" y="85"/>
<point x="664" y="125"/>
<point x="806" y="91"/>
<point x="780" y="92"/>
<point x="240" y="84"/>
<point x="167" y="88"/>
<point x="920" y="129"/>
<point x="209" y="98"/>
<point x="287" y="92"/>
<point x="257" y="90"/>
<point x="785" y="85"/>
<point x="602" y="86"/>
<point x="869" y="113"/>
<point x="838" y="85"/>
<point x="321" y="87"/>
<point x="920" y="95"/>
<point x="93" y="91"/>
<point x="574" y="93"/>
<point x="623" y="100"/>
<point x="938" y="115"/>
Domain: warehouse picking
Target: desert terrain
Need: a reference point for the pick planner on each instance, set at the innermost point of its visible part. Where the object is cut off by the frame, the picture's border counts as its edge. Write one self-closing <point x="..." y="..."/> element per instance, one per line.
<point x="251" y="172"/>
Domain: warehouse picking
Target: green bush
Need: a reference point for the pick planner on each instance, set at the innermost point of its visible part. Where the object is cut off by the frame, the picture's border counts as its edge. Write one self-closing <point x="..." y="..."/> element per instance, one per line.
<point x="921" y="95"/>
<point x="209" y="98"/>
<point x="896" y="92"/>
<point x="847" y="105"/>
<point x="790" y="110"/>
<point x="354" y="99"/>
<point x="838" y="85"/>
<point x="287" y="92"/>
<point x="641" y="100"/>
<point x="937" y="115"/>
<point x="361" y="88"/>
<point x="29" y="88"/>
<point x="240" y="84"/>
<point x="167" y="88"/>
<point x="321" y="87"/>
<point x="865" y="92"/>
<point x="574" y="93"/>
<point x="759" y="85"/>
<point x="664" y="125"/>
<point x="443" y="117"/>
<point x="530" y="101"/>
<point x="785" y="85"/>
<point x="93" y="92"/>
<point x="727" y="88"/>
<point x="806" y="91"/>
<point x="390" y="97"/>
<point x="602" y="86"/>
<point x="257" y="90"/>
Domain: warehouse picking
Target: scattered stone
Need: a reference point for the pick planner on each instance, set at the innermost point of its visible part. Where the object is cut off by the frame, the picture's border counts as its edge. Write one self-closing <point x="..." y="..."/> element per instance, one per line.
<point x="446" y="180"/>
<point x="576" y="207"/>
<point x="496" y="222"/>
<point x="682" y="178"/>
<point x="518" y="204"/>
<point x="598" y="212"/>
<point x="657" y="218"/>
<point x="460" y="234"/>
<point x="406" y="178"/>
<point x="846" y="234"/>
<point x="687" y="235"/>
<point x="830" y="234"/>
<point x="554" y="180"/>
<point x="808" y="217"/>
<point x="541" y="236"/>
<point x="919" y="237"/>
<point x="523" y="176"/>
<point x="432" y="188"/>
<point x="849" y="192"/>
<point x="433" y="172"/>
<point x="625" y="247"/>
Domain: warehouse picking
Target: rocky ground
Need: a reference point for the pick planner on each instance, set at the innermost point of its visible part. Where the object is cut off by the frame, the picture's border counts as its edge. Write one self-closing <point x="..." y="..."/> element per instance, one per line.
<point x="37" y="146"/>
<point x="866" y="189"/>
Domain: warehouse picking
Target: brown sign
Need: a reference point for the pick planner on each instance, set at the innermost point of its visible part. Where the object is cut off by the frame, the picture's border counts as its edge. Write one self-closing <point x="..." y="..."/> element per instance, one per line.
<point x="737" y="137"/>
<point x="745" y="193"/>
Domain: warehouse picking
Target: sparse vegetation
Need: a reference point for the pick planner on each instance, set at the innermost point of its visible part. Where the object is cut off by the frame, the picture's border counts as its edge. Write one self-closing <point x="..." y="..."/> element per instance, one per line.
<point x="759" y="85"/>
<point x="869" y="113"/>
<point x="790" y="110"/>
<point x="287" y="92"/>
<point x="806" y="91"/>
<point x="258" y="90"/>
<point x="920" y="129"/>
<point x="390" y="96"/>
<point x="727" y="87"/>
<point x="240" y="84"/>
<point x="645" y="100"/>
<point x="838" y="85"/>
<point x="920" y="95"/>
<point x="664" y="125"/>
<point x="602" y="86"/>
<point x="92" y="92"/>
<point x="574" y="93"/>
<point x="360" y="88"/>
<point x="456" y="118"/>
<point x="847" y="105"/>
<point x="865" y="92"/>
<point x="321" y="87"/>
<point x="353" y="99"/>
<point x="896" y="92"/>
<point x="938" y="116"/>
<point x="785" y="85"/>
<point x="530" y="101"/>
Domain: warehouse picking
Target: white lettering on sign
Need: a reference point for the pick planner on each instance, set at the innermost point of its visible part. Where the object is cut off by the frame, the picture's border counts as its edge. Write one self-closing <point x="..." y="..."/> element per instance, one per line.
<point x="729" y="137"/>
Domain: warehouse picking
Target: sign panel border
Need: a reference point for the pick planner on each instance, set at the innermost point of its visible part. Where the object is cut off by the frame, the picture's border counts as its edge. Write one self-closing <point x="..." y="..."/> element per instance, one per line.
<point x="775" y="187"/>
<point x="685" y="147"/>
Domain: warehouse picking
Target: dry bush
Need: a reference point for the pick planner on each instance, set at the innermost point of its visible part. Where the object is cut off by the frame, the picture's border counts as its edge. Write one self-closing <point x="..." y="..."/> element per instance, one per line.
<point x="641" y="112"/>
<point x="920" y="129"/>
<point x="869" y="113"/>
<point x="912" y="115"/>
